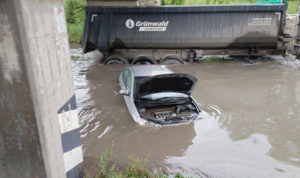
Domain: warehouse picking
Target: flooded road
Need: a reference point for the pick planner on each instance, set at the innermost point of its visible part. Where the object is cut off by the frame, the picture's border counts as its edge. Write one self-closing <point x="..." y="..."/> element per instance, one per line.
<point x="249" y="127"/>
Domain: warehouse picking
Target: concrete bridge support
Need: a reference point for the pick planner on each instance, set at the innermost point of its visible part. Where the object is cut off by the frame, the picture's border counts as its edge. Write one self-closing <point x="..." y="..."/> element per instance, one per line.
<point x="39" y="135"/>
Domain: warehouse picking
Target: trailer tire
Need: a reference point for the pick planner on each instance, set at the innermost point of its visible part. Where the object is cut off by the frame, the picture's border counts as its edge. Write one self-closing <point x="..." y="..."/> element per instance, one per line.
<point x="143" y="60"/>
<point x="115" y="59"/>
<point x="171" y="60"/>
<point x="256" y="56"/>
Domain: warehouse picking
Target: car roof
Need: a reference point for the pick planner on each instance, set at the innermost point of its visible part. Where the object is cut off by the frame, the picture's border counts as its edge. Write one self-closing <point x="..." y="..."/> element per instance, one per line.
<point x="149" y="70"/>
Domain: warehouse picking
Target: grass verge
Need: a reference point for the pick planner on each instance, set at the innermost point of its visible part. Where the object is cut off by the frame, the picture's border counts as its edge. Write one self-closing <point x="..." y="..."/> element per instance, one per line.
<point x="75" y="15"/>
<point x="292" y="7"/>
<point x="137" y="168"/>
<point x="75" y="32"/>
<point x="292" y="4"/>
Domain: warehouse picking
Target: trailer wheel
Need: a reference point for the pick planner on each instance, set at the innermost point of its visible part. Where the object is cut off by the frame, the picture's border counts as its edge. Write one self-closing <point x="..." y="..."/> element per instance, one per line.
<point x="115" y="59"/>
<point x="256" y="56"/>
<point x="143" y="60"/>
<point x="171" y="60"/>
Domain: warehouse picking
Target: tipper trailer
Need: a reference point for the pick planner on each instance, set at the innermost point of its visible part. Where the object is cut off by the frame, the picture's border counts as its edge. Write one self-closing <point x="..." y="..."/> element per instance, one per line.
<point x="174" y="34"/>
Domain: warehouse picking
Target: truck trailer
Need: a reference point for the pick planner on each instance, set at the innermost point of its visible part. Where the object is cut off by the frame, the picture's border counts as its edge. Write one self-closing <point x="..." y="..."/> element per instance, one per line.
<point x="174" y="34"/>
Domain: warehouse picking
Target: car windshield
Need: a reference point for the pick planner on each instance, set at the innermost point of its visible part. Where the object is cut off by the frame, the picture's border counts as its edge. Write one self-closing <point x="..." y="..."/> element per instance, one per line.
<point x="137" y="81"/>
<point x="160" y="95"/>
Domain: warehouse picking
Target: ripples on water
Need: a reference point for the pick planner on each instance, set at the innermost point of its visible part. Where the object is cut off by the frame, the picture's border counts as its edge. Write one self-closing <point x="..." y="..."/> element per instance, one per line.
<point x="85" y="104"/>
<point x="250" y="124"/>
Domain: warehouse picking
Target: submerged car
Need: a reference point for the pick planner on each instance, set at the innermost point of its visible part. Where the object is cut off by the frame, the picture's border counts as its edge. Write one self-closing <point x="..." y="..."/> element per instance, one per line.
<point x="156" y="95"/>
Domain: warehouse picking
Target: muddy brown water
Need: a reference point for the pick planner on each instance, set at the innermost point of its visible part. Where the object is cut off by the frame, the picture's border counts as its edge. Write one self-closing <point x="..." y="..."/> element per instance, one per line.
<point x="249" y="127"/>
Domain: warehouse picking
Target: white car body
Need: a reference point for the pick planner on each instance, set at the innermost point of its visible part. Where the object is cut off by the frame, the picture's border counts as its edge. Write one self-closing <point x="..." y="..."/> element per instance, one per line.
<point x="128" y="89"/>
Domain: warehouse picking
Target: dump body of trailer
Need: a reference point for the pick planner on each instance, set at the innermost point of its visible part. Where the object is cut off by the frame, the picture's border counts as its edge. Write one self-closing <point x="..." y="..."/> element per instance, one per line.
<point x="184" y="27"/>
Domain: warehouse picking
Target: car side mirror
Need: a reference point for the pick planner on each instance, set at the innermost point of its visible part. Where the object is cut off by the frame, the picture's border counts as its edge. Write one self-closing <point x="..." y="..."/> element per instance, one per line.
<point x="124" y="92"/>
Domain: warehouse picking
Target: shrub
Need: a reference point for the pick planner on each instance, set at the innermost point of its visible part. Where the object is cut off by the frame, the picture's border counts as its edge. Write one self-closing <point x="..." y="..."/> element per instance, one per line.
<point x="172" y="2"/>
<point x="75" y="15"/>
<point x="74" y="10"/>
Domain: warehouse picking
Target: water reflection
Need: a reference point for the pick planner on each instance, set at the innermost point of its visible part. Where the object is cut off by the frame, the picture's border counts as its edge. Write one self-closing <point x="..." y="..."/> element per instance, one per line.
<point x="214" y="153"/>
<point x="249" y="128"/>
<point x="258" y="128"/>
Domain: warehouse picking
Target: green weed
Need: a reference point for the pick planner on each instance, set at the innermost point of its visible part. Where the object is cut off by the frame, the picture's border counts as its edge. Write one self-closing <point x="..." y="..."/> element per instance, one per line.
<point x="137" y="168"/>
<point x="75" y="15"/>
<point x="292" y="7"/>
<point x="292" y="4"/>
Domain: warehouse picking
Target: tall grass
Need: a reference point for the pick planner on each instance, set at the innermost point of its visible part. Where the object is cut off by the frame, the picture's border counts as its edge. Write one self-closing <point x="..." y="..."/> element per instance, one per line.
<point x="292" y="4"/>
<point x="292" y="7"/>
<point x="208" y="2"/>
<point x="75" y="15"/>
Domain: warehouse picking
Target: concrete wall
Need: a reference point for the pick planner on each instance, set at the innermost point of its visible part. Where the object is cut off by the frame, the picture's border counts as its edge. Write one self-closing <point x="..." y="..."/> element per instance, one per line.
<point x="39" y="135"/>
